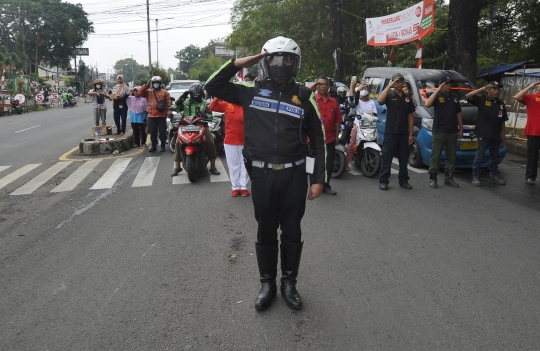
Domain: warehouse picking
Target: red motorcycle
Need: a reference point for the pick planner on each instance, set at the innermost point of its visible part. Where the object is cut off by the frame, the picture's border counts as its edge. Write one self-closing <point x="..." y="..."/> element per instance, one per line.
<point x="192" y="143"/>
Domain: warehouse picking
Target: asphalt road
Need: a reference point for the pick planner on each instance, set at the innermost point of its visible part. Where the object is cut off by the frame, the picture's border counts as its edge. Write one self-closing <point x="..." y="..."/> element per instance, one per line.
<point x="171" y="266"/>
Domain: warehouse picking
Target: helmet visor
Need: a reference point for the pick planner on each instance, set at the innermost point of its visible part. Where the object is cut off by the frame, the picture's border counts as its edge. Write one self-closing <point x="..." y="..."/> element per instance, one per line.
<point x="281" y="66"/>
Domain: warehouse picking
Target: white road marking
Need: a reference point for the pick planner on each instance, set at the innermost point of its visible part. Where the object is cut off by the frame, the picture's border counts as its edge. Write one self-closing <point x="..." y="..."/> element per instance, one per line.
<point x="113" y="173"/>
<point x="3" y="167"/>
<point x="41" y="179"/>
<point x="18" y="173"/>
<point x="354" y="170"/>
<point x="22" y="130"/>
<point x="181" y="178"/>
<point x="416" y="170"/>
<point x="223" y="177"/>
<point x="147" y="172"/>
<point x="76" y="177"/>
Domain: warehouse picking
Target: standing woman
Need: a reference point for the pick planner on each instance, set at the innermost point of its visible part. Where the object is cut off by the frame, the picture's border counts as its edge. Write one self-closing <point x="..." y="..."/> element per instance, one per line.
<point x="99" y="96"/>
<point x="137" y="116"/>
<point x="120" y="92"/>
<point x="234" y="144"/>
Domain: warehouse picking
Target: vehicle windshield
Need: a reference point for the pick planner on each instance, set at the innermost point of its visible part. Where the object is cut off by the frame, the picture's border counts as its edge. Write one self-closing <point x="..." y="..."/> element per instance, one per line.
<point x="180" y="86"/>
<point x="460" y="88"/>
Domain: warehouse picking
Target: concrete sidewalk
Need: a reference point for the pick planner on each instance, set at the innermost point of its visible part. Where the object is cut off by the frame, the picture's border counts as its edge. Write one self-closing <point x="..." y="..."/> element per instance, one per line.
<point x="516" y="147"/>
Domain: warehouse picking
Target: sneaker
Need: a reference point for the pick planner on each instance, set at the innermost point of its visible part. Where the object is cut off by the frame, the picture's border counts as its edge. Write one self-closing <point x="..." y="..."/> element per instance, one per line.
<point x="235" y="193"/>
<point x="328" y="190"/>
<point x="383" y="186"/>
<point x="245" y="193"/>
<point x="497" y="181"/>
<point x="176" y="171"/>
<point x="214" y="171"/>
<point x="152" y="149"/>
<point x="530" y="181"/>
<point x="405" y="185"/>
<point x="476" y="182"/>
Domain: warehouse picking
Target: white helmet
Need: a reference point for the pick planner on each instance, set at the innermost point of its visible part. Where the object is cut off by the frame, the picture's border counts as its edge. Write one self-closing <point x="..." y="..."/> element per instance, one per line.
<point x="283" y="59"/>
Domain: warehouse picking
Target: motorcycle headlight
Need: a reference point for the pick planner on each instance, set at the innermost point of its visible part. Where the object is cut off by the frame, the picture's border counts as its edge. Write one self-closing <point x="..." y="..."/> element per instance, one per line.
<point x="427" y="123"/>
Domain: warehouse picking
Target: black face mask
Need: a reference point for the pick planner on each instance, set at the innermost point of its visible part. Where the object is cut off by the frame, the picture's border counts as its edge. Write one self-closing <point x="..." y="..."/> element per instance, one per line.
<point x="196" y="99"/>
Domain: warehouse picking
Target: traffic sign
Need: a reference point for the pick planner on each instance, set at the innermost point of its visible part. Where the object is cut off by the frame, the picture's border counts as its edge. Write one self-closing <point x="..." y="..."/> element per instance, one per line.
<point x="19" y="97"/>
<point x="39" y="98"/>
<point x="55" y="96"/>
<point x="34" y="84"/>
<point x="81" y="51"/>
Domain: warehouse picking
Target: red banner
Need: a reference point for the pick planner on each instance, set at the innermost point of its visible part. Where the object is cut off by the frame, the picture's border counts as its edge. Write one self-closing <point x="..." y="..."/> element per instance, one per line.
<point x="402" y="27"/>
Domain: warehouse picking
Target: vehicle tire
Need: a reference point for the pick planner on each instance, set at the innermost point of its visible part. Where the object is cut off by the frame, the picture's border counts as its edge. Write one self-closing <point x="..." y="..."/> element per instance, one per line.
<point x="172" y="142"/>
<point x="190" y="167"/>
<point x="415" y="154"/>
<point x="372" y="162"/>
<point x="340" y="161"/>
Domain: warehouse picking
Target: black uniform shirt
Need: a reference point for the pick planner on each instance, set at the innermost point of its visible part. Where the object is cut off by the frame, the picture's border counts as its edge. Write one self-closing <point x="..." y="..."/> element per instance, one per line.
<point x="446" y="107"/>
<point x="491" y="116"/>
<point x="398" y="108"/>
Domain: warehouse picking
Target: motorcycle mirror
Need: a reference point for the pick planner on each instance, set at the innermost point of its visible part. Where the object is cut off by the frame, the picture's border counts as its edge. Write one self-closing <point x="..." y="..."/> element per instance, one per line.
<point x="172" y="108"/>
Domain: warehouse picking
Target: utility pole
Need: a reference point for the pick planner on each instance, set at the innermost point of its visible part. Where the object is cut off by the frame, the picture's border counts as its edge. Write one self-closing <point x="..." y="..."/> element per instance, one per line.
<point x="149" y="45"/>
<point x="157" y="43"/>
<point x="340" y="43"/>
<point x="132" y="76"/>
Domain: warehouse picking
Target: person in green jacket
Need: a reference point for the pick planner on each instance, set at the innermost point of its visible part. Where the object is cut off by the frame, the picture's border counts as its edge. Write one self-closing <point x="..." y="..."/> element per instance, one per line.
<point x="190" y="105"/>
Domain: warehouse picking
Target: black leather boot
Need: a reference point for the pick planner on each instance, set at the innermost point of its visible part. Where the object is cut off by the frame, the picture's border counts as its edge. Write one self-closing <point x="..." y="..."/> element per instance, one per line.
<point x="433" y="180"/>
<point x="290" y="262"/>
<point x="153" y="148"/>
<point x="449" y="180"/>
<point x="267" y="257"/>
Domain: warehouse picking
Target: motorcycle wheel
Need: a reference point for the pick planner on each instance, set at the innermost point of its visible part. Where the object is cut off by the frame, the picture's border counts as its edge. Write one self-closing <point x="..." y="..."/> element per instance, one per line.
<point x="9" y="112"/>
<point x="415" y="155"/>
<point x="340" y="161"/>
<point x="371" y="163"/>
<point x="172" y="142"/>
<point x="190" y="167"/>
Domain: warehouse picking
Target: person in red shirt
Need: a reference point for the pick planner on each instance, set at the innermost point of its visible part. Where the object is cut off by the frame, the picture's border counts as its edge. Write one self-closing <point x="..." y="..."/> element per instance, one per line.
<point x="532" y="129"/>
<point x="234" y="144"/>
<point x="331" y="117"/>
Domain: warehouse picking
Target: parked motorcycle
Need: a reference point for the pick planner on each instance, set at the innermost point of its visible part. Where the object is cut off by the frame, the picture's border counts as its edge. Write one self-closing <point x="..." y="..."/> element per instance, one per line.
<point x="340" y="159"/>
<point x="367" y="153"/>
<point x="217" y="129"/>
<point x="16" y="107"/>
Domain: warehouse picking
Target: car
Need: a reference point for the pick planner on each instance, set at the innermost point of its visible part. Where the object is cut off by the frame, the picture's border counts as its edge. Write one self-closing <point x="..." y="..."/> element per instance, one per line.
<point x="177" y="87"/>
<point x="423" y="83"/>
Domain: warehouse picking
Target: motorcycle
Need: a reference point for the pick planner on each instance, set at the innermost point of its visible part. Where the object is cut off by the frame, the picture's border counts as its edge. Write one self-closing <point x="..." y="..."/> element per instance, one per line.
<point x="367" y="153"/>
<point x="16" y="106"/>
<point x="340" y="159"/>
<point x="216" y="128"/>
<point x="172" y="129"/>
<point x="72" y="101"/>
<point x="192" y="143"/>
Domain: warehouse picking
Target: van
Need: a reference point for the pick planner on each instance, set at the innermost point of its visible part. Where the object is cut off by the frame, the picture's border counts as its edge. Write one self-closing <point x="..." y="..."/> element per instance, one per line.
<point x="423" y="83"/>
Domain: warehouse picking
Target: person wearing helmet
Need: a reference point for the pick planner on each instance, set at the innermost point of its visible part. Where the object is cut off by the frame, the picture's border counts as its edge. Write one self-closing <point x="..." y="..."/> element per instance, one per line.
<point x="279" y="116"/>
<point x="190" y="101"/>
<point x="342" y="94"/>
<point x="100" y="108"/>
<point x="158" y="102"/>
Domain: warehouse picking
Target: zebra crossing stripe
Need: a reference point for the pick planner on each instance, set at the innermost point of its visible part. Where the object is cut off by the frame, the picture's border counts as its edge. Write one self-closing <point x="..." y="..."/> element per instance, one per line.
<point x="147" y="172"/>
<point x="223" y="177"/>
<point x="76" y="177"/>
<point x="354" y="170"/>
<point x="3" y="167"/>
<point x="41" y="179"/>
<point x="113" y="173"/>
<point x="18" y="173"/>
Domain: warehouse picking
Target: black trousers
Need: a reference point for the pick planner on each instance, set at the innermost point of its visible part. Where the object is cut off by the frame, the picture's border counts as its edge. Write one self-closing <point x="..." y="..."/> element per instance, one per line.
<point x="120" y="116"/>
<point x="139" y="133"/>
<point x="393" y="142"/>
<point x="330" y="154"/>
<point x="156" y="124"/>
<point x="533" y="147"/>
<point x="279" y="200"/>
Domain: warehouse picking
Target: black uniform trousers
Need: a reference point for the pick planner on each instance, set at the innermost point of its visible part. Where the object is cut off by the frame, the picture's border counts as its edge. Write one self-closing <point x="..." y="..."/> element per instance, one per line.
<point x="139" y="133"/>
<point x="533" y="147"/>
<point x="155" y="124"/>
<point x="279" y="200"/>
<point x="391" y="144"/>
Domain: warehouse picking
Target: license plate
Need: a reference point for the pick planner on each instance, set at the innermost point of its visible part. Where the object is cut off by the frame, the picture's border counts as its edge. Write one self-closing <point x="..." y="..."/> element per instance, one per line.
<point x="369" y="124"/>
<point x="190" y="128"/>
<point x="469" y="145"/>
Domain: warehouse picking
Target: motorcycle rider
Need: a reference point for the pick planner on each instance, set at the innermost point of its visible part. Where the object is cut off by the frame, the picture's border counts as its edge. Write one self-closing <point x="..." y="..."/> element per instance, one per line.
<point x="279" y="115"/>
<point x="363" y="105"/>
<point x="342" y="95"/>
<point x="157" y="106"/>
<point x="196" y="102"/>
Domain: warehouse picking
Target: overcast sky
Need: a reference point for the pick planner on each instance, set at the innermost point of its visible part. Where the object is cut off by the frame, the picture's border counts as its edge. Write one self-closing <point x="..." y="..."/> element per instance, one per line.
<point x="120" y="29"/>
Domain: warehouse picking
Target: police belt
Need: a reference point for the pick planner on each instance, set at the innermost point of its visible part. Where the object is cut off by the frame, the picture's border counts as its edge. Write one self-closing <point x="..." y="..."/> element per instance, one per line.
<point x="277" y="166"/>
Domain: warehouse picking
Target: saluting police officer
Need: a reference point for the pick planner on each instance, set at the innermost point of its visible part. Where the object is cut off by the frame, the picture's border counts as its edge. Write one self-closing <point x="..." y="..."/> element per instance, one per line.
<point x="279" y="115"/>
<point x="490" y="130"/>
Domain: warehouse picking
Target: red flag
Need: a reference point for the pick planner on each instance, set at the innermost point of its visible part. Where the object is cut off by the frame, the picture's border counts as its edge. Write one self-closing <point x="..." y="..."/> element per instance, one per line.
<point x="391" y="57"/>
<point x="419" y="54"/>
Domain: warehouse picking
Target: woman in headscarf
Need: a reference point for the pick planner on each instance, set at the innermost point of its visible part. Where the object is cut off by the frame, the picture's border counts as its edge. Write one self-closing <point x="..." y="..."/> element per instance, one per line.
<point x="120" y="92"/>
<point x="100" y="108"/>
<point x="137" y="116"/>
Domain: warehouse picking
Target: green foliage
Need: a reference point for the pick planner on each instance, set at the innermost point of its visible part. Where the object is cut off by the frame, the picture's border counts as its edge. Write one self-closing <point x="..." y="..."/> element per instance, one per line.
<point x="163" y="74"/>
<point x="204" y="67"/>
<point x="188" y="56"/>
<point x="127" y="65"/>
<point x="43" y="30"/>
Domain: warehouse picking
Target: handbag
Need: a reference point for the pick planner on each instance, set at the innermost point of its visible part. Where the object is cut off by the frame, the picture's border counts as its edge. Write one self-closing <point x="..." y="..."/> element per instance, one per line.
<point x="160" y="106"/>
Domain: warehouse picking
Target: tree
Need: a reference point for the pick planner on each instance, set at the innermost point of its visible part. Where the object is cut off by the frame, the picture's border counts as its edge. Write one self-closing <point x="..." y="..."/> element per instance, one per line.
<point x="204" y="67"/>
<point x="188" y="56"/>
<point x="127" y="65"/>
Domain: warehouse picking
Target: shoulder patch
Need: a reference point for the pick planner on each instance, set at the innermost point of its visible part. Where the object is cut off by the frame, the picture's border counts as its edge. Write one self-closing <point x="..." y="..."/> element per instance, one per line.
<point x="265" y="92"/>
<point x="296" y="100"/>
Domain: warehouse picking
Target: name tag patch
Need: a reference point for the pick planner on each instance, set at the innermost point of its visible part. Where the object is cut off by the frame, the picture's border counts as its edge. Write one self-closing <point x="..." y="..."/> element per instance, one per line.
<point x="488" y="103"/>
<point x="441" y="99"/>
